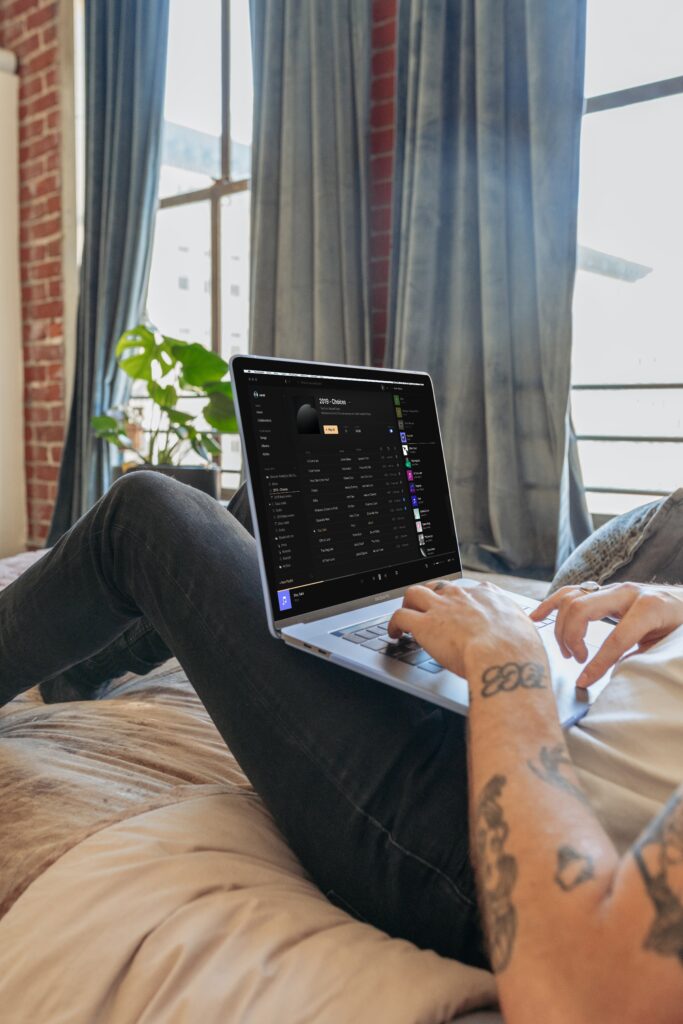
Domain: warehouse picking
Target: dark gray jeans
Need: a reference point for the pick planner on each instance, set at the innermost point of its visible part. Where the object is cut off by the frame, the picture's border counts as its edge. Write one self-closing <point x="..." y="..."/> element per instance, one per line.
<point x="368" y="784"/>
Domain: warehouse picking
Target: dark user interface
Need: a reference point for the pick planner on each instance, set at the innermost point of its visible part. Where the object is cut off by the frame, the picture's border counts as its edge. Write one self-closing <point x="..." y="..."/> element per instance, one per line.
<point x="350" y="486"/>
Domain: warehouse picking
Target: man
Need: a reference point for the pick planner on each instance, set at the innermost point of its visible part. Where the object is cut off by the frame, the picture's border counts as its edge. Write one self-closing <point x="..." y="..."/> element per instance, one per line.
<point x="583" y="917"/>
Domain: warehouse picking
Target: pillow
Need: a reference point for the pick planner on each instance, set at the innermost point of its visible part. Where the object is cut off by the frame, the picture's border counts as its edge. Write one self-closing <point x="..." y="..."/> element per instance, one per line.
<point x="644" y="545"/>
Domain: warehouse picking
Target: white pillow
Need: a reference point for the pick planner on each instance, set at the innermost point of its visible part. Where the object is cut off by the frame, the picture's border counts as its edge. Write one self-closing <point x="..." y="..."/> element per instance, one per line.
<point x="198" y="913"/>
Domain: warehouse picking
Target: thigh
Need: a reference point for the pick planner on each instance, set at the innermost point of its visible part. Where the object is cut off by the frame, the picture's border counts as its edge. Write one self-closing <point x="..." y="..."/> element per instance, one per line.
<point x="368" y="784"/>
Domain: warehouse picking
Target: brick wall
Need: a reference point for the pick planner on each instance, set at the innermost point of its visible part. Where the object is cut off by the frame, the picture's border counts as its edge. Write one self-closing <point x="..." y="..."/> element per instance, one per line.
<point x="29" y="29"/>
<point x="381" y="164"/>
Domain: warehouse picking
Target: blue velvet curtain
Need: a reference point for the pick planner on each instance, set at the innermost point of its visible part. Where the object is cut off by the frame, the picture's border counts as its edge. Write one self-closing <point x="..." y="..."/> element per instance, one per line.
<point x="309" y="265"/>
<point x="489" y="102"/>
<point x="125" y="53"/>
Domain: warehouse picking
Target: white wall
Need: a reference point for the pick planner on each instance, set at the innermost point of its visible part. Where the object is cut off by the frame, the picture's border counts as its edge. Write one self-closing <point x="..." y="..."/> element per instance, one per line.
<point x="12" y="478"/>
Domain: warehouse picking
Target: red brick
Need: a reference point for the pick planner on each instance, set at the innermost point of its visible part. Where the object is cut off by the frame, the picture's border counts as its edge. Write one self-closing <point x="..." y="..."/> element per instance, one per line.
<point x="382" y="115"/>
<point x="384" y="62"/>
<point x="46" y="101"/>
<point x="37" y="453"/>
<point x="381" y="193"/>
<point x="383" y="87"/>
<point x="36" y="491"/>
<point x="46" y="59"/>
<point x="46" y="472"/>
<point x="45" y="228"/>
<point x="380" y="297"/>
<point x="48" y="433"/>
<point x="383" y="10"/>
<point x="379" y="321"/>
<point x="384" y="34"/>
<point x="45" y="392"/>
<point x="51" y="268"/>
<point x="380" y="219"/>
<point x="36" y="414"/>
<point x="382" y="141"/>
<point x="41" y="17"/>
<point x="381" y="167"/>
<point x="50" y="35"/>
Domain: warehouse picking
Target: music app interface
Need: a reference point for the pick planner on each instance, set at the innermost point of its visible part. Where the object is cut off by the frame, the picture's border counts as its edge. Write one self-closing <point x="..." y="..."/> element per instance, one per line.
<point x="349" y="483"/>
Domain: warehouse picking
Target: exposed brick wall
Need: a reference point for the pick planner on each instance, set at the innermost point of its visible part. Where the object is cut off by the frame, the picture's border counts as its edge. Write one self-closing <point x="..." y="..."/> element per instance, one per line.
<point x="381" y="164"/>
<point x="29" y="29"/>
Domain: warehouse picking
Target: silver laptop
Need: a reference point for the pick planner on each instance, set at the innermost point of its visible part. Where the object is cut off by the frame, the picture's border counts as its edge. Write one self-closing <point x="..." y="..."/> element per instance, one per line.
<point x="351" y="505"/>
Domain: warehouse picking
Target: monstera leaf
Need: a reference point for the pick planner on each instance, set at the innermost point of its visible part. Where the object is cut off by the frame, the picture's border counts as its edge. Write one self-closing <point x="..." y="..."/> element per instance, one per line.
<point x="219" y="411"/>
<point x="199" y="365"/>
<point x="141" y="350"/>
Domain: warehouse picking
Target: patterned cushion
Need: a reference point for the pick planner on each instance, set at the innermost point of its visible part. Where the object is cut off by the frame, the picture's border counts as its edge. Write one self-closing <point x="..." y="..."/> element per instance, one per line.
<point x="10" y="568"/>
<point x="644" y="545"/>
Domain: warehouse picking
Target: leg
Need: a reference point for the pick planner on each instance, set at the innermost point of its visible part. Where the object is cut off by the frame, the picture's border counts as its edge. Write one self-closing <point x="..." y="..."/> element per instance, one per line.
<point x="138" y="649"/>
<point x="368" y="784"/>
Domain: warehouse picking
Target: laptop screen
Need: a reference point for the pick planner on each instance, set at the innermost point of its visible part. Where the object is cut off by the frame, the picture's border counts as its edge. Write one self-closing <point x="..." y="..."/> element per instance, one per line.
<point x="348" y="478"/>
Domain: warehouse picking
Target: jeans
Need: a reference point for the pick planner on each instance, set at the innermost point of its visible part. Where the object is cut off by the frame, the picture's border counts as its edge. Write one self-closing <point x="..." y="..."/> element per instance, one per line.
<point x="367" y="784"/>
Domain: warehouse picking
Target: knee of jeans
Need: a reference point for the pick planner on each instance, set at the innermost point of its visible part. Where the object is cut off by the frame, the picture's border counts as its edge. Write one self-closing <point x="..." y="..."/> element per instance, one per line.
<point x="143" y="485"/>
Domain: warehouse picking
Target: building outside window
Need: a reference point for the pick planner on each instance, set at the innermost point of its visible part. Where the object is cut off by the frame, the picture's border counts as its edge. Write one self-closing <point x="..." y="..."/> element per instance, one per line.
<point x="199" y="279"/>
<point x="627" y="373"/>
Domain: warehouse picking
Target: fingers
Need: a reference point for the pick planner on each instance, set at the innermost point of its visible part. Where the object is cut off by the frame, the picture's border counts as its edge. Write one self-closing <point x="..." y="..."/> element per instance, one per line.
<point x="421" y="598"/>
<point x="404" y="620"/>
<point x="575" y="612"/>
<point x="642" y="619"/>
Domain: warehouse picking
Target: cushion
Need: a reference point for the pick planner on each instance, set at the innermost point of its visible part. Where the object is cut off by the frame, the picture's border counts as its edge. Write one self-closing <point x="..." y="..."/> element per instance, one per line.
<point x="199" y="911"/>
<point x="644" y="545"/>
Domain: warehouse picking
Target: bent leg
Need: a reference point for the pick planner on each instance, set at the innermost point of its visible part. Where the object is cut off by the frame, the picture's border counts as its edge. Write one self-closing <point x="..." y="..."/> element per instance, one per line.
<point x="368" y="784"/>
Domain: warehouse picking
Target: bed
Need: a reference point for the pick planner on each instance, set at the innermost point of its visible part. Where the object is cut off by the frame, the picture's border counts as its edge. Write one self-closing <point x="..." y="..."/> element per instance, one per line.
<point x="143" y="880"/>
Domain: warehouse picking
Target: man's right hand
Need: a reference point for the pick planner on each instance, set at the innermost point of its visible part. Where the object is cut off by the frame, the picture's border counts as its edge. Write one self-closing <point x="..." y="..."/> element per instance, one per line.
<point x="645" y="614"/>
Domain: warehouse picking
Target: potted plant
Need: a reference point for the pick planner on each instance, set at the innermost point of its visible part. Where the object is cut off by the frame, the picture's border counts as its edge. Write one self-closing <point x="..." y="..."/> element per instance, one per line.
<point x="171" y="371"/>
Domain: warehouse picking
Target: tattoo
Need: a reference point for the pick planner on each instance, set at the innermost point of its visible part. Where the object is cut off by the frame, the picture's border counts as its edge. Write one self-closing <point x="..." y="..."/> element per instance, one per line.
<point x="511" y="676"/>
<point x="497" y="873"/>
<point x="551" y="762"/>
<point x="573" y="868"/>
<point x="659" y="856"/>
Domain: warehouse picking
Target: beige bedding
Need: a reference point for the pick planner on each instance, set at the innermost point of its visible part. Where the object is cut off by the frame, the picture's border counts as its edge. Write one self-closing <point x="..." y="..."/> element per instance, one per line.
<point x="141" y="879"/>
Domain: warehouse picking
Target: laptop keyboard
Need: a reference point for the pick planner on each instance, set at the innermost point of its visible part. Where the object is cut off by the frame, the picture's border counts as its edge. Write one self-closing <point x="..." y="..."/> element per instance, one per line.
<point x="373" y="635"/>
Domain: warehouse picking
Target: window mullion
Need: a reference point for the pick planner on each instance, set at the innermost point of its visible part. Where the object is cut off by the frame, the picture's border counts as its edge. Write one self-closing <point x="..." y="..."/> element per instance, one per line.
<point x="216" y="327"/>
<point x="225" y="99"/>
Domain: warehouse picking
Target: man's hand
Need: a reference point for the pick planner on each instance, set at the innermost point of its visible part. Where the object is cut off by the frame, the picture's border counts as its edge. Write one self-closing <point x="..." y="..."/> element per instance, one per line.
<point x="646" y="614"/>
<point x="453" y="623"/>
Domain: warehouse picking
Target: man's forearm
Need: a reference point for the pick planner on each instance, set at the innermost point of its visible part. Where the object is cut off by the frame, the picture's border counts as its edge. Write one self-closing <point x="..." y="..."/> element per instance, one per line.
<point x="544" y="863"/>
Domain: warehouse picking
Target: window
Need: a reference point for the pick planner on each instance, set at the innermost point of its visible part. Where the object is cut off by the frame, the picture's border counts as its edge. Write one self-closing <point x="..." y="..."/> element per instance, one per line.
<point x="627" y="373"/>
<point x="199" y="279"/>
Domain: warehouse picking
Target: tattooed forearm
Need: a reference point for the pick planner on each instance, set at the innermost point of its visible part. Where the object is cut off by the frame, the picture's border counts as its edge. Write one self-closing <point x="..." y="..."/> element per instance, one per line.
<point x="496" y="872"/>
<point x="573" y="868"/>
<point x="659" y="856"/>
<point x="512" y="676"/>
<point x="551" y="761"/>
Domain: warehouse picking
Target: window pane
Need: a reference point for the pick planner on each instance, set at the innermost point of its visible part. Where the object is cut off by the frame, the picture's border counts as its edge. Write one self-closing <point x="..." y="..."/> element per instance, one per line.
<point x="179" y="296"/>
<point x="234" y="303"/>
<point x="191" y="155"/>
<point x="628" y="308"/>
<point x="235" y="273"/>
<point x="630" y="42"/>
<point x="641" y="465"/>
<point x="628" y="413"/>
<point x="241" y="90"/>
<point x="615" y="504"/>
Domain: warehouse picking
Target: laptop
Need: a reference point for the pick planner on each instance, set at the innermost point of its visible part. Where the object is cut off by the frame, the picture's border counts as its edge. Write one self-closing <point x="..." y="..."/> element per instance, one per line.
<point x="351" y="505"/>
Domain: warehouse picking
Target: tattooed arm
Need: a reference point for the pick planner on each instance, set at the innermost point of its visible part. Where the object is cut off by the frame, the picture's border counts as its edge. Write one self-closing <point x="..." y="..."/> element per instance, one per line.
<point x="575" y="933"/>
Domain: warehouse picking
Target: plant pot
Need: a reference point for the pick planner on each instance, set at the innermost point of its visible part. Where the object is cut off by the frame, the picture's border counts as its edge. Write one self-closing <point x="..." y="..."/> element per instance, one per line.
<point x="203" y="478"/>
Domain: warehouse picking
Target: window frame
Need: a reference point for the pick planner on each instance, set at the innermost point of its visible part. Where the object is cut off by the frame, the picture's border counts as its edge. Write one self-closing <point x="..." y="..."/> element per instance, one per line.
<point x="599" y="103"/>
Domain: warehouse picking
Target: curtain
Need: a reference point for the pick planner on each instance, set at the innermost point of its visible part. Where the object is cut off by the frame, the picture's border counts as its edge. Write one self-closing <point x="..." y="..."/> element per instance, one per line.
<point x="125" y="55"/>
<point x="309" y="257"/>
<point x="489" y="100"/>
